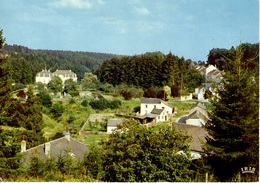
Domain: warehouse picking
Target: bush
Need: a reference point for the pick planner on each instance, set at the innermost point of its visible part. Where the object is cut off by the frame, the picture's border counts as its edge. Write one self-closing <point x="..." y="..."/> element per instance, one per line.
<point x="84" y="103"/>
<point x="72" y="101"/>
<point x="100" y="104"/>
<point x="126" y="94"/>
<point x="71" y="118"/>
<point x="45" y="99"/>
<point x="114" y="104"/>
<point x="57" y="110"/>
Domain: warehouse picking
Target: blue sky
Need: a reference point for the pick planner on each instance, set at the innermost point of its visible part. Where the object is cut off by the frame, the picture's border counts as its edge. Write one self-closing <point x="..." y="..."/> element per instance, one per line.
<point x="188" y="28"/>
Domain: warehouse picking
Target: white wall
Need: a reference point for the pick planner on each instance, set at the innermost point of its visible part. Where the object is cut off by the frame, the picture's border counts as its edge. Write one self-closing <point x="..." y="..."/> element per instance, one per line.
<point x="187" y="97"/>
<point x="147" y="108"/>
<point x="109" y="129"/>
<point x="195" y="122"/>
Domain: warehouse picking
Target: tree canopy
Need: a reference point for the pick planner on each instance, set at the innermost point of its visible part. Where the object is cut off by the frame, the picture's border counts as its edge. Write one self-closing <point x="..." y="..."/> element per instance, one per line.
<point x="136" y="153"/>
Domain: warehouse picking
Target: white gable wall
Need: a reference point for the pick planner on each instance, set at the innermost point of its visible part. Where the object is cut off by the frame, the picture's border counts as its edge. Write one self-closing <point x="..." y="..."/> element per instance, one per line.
<point x="195" y="122"/>
<point x="147" y="108"/>
<point x="44" y="79"/>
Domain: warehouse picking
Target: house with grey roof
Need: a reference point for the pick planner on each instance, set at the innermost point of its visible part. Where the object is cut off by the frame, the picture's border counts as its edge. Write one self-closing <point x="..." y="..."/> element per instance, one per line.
<point x="112" y="124"/>
<point x="64" y="146"/>
<point x="198" y="135"/>
<point x="197" y="115"/>
<point x="155" y="109"/>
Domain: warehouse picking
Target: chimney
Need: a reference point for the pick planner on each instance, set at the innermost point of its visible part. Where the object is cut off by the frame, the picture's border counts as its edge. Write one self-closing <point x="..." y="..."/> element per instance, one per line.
<point x="47" y="147"/>
<point x="23" y="145"/>
<point x="67" y="135"/>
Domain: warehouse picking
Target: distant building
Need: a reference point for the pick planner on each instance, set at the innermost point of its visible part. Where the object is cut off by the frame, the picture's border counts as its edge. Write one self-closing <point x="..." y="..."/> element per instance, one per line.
<point x="65" y="75"/>
<point x="198" y="115"/>
<point x="155" y="109"/>
<point x="45" y="76"/>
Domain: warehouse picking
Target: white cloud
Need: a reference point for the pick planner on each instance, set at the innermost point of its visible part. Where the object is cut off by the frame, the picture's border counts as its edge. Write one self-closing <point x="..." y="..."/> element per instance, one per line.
<point x="78" y="4"/>
<point x="101" y="2"/>
<point x="142" y="11"/>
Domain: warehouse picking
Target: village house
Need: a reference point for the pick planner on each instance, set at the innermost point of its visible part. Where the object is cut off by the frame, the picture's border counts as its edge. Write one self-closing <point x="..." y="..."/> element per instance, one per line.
<point x="211" y="73"/>
<point x="197" y="115"/>
<point x="64" y="146"/>
<point x="45" y="76"/>
<point x="154" y="109"/>
<point x="201" y="90"/>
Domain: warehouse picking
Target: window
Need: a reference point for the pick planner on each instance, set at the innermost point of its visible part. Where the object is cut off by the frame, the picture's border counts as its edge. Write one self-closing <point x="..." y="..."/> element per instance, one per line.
<point x="146" y="106"/>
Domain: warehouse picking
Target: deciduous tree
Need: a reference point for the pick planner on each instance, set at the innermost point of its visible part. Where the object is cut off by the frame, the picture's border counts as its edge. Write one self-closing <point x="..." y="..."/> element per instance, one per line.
<point x="135" y="153"/>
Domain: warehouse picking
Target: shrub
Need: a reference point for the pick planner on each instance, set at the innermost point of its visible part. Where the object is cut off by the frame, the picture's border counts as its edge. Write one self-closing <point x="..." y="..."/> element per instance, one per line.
<point x="84" y="103"/>
<point x="57" y="110"/>
<point x="114" y="104"/>
<point x="100" y="104"/>
<point x="71" y="118"/>
<point x="126" y="94"/>
<point x="45" y="99"/>
<point x="72" y="101"/>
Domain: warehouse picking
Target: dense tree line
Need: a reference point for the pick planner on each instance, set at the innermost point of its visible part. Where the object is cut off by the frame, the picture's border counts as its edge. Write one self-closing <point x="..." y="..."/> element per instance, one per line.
<point x="25" y="63"/>
<point x="220" y="56"/>
<point x="145" y="71"/>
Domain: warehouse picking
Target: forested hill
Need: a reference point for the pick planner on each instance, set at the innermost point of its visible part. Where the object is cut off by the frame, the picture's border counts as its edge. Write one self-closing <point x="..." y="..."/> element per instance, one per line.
<point x="25" y="63"/>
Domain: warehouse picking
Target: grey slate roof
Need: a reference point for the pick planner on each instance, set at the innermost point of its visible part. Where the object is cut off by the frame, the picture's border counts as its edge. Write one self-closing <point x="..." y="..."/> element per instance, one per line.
<point x="196" y="115"/>
<point x="156" y="111"/>
<point x="64" y="72"/>
<point x="114" y="122"/>
<point x="198" y="104"/>
<point x="197" y="133"/>
<point x="58" y="147"/>
<point x="151" y="100"/>
<point x="44" y="73"/>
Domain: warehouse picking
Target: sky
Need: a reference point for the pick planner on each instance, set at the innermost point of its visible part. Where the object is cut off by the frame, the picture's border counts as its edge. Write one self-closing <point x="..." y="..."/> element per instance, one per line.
<point x="186" y="28"/>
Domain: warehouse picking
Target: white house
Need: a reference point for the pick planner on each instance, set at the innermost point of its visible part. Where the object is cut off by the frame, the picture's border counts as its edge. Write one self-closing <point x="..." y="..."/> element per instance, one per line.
<point x="45" y="76"/>
<point x="65" y="75"/>
<point x="156" y="109"/>
<point x="112" y="124"/>
<point x="186" y="97"/>
<point x="200" y="91"/>
<point x="197" y="115"/>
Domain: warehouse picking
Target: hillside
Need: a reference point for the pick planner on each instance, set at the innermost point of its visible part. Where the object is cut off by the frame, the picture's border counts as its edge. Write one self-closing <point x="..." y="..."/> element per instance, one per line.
<point x="25" y="62"/>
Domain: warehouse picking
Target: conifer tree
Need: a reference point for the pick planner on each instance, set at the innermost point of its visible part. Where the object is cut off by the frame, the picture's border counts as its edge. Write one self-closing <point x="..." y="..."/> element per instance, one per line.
<point x="5" y="85"/>
<point x="233" y="129"/>
<point x="9" y="145"/>
<point x="33" y="118"/>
